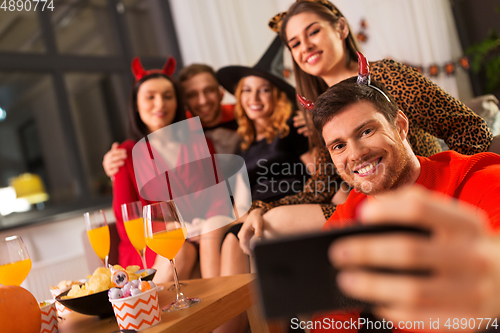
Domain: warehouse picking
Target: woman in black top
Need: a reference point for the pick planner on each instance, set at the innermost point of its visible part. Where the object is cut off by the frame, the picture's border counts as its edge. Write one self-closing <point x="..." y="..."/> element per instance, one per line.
<point x="273" y="151"/>
<point x="275" y="155"/>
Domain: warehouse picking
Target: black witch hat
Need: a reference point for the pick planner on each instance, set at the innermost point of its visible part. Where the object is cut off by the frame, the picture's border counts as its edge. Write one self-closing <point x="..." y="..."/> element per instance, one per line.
<point x="269" y="67"/>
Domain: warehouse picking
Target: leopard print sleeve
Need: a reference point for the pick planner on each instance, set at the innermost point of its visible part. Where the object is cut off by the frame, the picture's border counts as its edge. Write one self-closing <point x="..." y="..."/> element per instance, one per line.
<point x="431" y="110"/>
<point x="319" y="189"/>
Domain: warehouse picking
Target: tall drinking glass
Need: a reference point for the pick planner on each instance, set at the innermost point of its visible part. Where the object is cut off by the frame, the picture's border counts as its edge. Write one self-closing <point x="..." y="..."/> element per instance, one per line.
<point x="134" y="225"/>
<point x="15" y="262"/>
<point x="98" y="233"/>
<point x="165" y="234"/>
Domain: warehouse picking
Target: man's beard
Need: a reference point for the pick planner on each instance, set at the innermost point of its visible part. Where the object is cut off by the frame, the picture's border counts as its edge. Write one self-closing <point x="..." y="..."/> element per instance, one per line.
<point x="394" y="175"/>
<point x="210" y="117"/>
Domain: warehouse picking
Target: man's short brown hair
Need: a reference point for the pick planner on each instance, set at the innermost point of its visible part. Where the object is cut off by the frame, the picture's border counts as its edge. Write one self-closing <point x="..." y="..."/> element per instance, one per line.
<point x="346" y="93"/>
<point x="188" y="72"/>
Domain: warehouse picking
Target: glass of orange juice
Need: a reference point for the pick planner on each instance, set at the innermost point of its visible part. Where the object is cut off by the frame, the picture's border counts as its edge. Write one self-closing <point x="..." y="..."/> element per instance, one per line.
<point x="15" y="262"/>
<point x="98" y="233"/>
<point x="134" y="225"/>
<point x="165" y="233"/>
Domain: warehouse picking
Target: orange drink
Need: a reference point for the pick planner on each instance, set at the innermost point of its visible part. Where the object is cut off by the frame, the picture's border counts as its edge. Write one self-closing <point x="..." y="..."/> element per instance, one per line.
<point x="98" y="233"/>
<point x="135" y="232"/>
<point x="167" y="243"/>
<point x="134" y="226"/>
<point x="165" y="233"/>
<point x="13" y="274"/>
<point x="99" y="239"/>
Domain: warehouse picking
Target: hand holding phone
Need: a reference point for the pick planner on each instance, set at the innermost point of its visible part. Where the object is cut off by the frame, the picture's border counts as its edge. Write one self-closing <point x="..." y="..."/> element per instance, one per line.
<point x="295" y="275"/>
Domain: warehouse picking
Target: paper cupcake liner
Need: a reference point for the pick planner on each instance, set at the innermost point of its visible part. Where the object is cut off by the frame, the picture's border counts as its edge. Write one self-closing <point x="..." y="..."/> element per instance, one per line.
<point x="61" y="309"/>
<point x="137" y="312"/>
<point x="49" y="318"/>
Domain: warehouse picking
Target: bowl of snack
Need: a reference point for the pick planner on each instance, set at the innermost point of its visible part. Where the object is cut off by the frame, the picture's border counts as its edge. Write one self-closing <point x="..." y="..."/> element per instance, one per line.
<point x="91" y="298"/>
<point x="60" y="288"/>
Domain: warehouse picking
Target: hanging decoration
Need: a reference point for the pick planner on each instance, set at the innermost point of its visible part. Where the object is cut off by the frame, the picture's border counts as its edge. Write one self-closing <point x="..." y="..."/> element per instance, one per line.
<point x="433" y="70"/>
<point x="361" y="36"/>
<point x="449" y="68"/>
<point x="287" y="72"/>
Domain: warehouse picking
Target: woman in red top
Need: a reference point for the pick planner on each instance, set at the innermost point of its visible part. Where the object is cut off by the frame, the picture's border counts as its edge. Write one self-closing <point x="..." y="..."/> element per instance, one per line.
<point x="154" y="104"/>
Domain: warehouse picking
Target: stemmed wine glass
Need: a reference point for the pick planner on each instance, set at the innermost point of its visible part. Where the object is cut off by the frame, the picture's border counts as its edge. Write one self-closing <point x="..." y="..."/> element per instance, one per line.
<point x="15" y="262"/>
<point x="98" y="233"/>
<point x="134" y="225"/>
<point x="165" y="233"/>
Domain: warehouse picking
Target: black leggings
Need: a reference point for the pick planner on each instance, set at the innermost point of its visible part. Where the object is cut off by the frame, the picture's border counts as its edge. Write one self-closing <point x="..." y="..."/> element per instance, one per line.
<point x="234" y="230"/>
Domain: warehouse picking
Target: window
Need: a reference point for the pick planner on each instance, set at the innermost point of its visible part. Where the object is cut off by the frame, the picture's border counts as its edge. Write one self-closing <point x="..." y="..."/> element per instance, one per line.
<point x="84" y="28"/>
<point x="64" y="84"/>
<point x="20" y="32"/>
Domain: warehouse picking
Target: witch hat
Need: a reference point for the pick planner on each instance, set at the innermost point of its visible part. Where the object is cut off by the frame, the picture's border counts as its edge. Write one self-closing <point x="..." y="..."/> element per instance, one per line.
<point x="269" y="67"/>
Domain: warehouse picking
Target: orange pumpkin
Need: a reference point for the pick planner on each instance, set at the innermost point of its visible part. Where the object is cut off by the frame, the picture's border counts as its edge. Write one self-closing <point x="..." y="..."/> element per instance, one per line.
<point x="19" y="311"/>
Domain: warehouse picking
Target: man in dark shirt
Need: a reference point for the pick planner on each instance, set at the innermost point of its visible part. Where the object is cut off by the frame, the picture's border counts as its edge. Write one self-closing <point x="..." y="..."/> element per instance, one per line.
<point x="202" y="97"/>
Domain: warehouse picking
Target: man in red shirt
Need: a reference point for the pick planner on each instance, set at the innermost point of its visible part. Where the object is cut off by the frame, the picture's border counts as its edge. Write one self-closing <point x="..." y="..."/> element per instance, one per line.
<point x="365" y="133"/>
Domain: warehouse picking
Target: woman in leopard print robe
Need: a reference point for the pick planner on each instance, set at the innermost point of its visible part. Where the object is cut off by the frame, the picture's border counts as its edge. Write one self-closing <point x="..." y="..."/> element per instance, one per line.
<point x="324" y="53"/>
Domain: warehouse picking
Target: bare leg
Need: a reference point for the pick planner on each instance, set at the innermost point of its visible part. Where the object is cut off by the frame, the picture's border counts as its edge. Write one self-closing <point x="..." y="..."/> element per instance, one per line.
<point x="233" y="261"/>
<point x="292" y="220"/>
<point x="184" y="263"/>
<point x="210" y="252"/>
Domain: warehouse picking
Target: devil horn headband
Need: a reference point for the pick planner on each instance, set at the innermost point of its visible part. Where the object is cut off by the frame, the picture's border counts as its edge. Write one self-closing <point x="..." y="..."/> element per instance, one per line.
<point x="363" y="78"/>
<point x="139" y="71"/>
<point x="363" y="70"/>
<point x="364" y="74"/>
<point x="305" y="103"/>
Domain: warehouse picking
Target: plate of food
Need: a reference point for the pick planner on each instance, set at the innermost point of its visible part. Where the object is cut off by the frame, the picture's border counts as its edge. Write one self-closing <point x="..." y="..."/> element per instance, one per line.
<point x="91" y="298"/>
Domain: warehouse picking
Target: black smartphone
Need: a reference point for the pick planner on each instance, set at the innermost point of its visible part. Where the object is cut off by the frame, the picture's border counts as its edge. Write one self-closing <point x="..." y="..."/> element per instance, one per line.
<point x="295" y="275"/>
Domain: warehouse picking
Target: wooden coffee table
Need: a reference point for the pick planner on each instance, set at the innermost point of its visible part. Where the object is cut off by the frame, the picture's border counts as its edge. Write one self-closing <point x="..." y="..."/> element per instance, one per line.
<point x="222" y="299"/>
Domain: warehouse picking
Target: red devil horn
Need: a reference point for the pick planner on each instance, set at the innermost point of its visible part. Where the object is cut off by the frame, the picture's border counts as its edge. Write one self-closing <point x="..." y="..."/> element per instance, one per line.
<point x="305" y="103"/>
<point x="169" y="67"/>
<point x="364" y="70"/>
<point x="137" y="69"/>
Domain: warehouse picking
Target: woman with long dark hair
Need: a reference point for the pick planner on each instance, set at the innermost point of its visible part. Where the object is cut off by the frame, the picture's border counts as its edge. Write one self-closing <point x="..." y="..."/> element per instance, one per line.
<point x="154" y="105"/>
<point x="324" y="50"/>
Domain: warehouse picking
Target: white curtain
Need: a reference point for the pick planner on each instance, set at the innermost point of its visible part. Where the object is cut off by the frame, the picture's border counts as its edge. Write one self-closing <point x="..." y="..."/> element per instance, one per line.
<point x="224" y="32"/>
<point x="229" y="32"/>
<point x="419" y="32"/>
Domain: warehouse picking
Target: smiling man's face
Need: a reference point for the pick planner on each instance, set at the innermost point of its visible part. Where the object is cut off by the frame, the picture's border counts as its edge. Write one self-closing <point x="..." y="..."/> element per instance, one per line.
<point x="203" y="97"/>
<point x="366" y="149"/>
